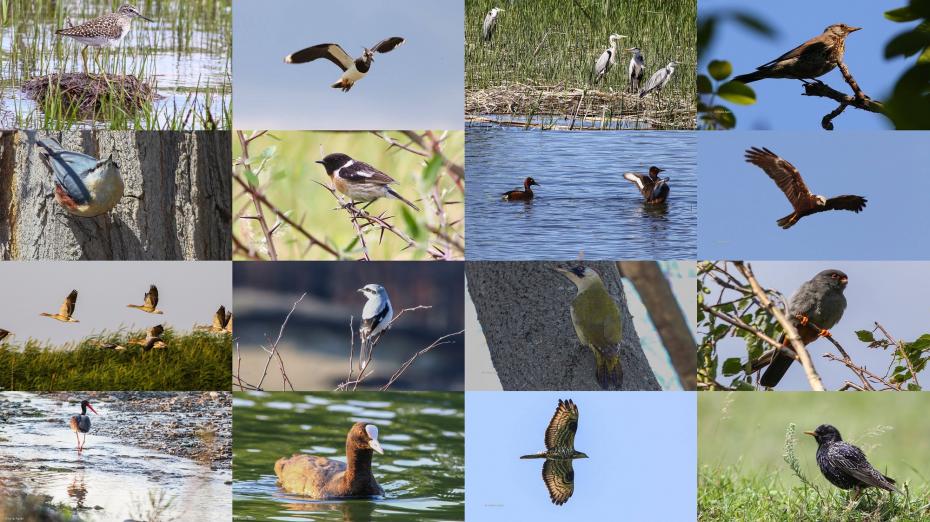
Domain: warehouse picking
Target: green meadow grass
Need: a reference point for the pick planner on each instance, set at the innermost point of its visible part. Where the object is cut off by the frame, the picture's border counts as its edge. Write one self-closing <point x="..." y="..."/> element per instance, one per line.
<point x="288" y="177"/>
<point x="197" y="361"/>
<point x="750" y="443"/>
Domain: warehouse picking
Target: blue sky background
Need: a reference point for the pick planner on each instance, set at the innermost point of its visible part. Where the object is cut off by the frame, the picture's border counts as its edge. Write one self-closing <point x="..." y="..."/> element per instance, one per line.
<point x="416" y="86"/>
<point x="738" y="203"/>
<point x="781" y="105"/>
<point x="641" y="448"/>
<point x="892" y="293"/>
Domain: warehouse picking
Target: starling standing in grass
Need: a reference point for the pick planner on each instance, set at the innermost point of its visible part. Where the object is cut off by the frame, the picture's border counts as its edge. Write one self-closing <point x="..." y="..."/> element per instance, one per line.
<point x="810" y="60"/>
<point x="844" y="465"/>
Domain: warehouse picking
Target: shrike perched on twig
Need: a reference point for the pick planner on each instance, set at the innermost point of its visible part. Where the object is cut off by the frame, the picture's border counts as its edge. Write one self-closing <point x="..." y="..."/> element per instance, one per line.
<point x="376" y="317"/>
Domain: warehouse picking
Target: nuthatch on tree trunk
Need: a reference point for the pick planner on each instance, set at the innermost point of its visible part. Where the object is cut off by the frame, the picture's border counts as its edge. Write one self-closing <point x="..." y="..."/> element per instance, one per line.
<point x="84" y="185"/>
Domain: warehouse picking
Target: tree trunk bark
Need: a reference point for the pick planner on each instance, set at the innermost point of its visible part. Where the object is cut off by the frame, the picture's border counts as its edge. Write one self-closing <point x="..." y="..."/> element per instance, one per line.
<point x="176" y="204"/>
<point x="523" y="308"/>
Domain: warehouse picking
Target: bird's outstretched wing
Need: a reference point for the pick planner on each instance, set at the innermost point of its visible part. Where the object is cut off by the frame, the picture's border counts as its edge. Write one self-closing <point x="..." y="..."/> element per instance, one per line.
<point x="559" y="477"/>
<point x="329" y="51"/>
<point x="67" y="308"/>
<point x="852" y="203"/>
<point x="3" y="333"/>
<point x="388" y="44"/>
<point x="219" y="318"/>
<point x="783" y="174"/>
<point x="641" y="181"/>
<point x="156" y="330"/>
<point x="561" y="430"/>
<point x="151" y="297"/>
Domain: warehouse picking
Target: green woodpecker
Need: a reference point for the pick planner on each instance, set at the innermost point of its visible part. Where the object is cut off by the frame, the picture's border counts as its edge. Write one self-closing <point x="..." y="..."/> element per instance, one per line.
<point x="597" y="323"/>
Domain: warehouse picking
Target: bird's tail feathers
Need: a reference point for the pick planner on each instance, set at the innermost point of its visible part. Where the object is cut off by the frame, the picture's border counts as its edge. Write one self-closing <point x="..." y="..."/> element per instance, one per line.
<point x="609" y="373"/>
<point x="534" y="456"/>
<point x="395" y="195"/>
<point x="751" y="77"/>
<point x="788" y="221"/>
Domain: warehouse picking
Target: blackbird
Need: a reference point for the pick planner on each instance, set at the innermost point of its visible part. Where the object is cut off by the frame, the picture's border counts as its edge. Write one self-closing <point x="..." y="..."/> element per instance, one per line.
<point x="845" y="465"/>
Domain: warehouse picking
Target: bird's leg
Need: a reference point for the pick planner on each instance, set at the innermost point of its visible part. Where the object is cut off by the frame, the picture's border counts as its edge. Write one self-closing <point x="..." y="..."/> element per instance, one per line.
<point x="84" y="58"/>
<point x="802" y="318"/>
<point x="78" y="437"/>
<point x="825" y="333"/>
<point x="856" y="492"/>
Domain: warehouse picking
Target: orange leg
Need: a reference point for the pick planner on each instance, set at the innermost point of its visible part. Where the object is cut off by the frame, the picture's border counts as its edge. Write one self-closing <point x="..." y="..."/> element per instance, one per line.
<point x="802" y="318"/>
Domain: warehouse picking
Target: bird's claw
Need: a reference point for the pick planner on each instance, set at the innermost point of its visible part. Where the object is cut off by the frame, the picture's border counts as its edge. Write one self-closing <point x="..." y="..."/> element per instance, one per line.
<point x="802" y="318"/>
<point x="825" y="333"/>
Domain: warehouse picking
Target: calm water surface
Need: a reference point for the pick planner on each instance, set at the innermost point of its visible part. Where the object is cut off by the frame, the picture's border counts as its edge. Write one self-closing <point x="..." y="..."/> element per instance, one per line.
<point x="422" y="470"/>
<point x="583" y="207"/>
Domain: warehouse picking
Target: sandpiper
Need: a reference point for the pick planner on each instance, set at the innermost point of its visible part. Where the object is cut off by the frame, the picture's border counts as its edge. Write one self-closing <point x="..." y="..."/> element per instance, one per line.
<point x="109" y="29"/>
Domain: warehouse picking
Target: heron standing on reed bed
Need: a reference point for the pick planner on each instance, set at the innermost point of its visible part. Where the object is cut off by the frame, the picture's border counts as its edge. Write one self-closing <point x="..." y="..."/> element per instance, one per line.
<point x="659" y="78"/>
<point x="490" y="24"/>
<point x="637" y="68"/>
<point x="106" y="30"/>
<point x="606" y="60"/>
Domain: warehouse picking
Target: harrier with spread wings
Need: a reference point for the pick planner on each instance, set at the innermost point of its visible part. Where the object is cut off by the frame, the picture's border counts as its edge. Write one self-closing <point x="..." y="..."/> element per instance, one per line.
<point x="789" y="180"/>
<point x="557" y="471"/>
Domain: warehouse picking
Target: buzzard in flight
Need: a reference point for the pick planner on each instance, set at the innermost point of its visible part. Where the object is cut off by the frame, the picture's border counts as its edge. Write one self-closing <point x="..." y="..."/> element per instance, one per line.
<point x="557" y="471"/>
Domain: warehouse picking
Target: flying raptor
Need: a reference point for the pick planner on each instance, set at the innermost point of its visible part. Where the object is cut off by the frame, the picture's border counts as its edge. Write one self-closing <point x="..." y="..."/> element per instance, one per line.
<point x="557" y="471"/>
<point x="789" y="180"/>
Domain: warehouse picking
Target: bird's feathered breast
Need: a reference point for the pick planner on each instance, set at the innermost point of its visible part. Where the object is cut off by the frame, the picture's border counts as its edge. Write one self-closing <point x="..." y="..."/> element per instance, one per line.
<point x="596" y="317"/>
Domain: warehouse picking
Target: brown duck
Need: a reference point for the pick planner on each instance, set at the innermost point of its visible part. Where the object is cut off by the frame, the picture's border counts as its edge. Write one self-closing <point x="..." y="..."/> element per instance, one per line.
<point x="319" y="477"/>
<point x="521" y="195"/>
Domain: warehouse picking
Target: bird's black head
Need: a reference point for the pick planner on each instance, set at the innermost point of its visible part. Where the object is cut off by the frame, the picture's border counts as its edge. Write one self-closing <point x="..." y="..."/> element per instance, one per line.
<point x="833" y="278"/>
<point x="86" y="404"/>
<point x="333" y="162"/>
<point x="529" y="181"/>
<point x="825" y="433"/>
<point x="654" y="172"/>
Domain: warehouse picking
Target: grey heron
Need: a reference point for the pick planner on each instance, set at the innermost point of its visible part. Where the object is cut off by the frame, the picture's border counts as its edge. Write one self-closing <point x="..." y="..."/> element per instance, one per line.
<point x="658" y="80"/>
<point x="637" y="68"/>
<point x="606" y="59"/>
<point x="490" y="24"/>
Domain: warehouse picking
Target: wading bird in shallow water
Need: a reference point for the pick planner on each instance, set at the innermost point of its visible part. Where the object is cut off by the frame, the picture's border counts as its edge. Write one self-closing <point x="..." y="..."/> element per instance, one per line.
<point x="376" y="317"/>
<point x="651" y="186"/>
<point x="658" y="79"/>
<point x="808" y="61"/>
<point x="353" y="69"/>
<point x="789" y="180"/>
<point x="322" y="478"/>
<point x="106" y="30"/>
<point x="558" y="473"/>
<point x="596" y="319"/>
<point x="606" y="60"/>
<point x="67" y="308"/>
<point x="151" y="302"/>
<point x="490" y="24"/>
<point x="359" y="180"/>
<point x="521" y="195"/>
<point x="81" y="424"/>
<point x="845" y="465"/>
<point x="84" y="185"/>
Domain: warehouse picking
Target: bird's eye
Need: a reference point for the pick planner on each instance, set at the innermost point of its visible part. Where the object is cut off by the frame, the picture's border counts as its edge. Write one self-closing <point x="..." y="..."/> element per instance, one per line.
<point x="834" y="276"/>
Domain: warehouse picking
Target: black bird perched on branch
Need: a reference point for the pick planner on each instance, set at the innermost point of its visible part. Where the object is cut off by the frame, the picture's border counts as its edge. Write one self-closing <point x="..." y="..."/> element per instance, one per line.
<point x="560" y="451"/>
<point x="789" y="180"/>
<point x="817" y="306"/>
<point x="652" y="187"/>
<point x="359" y="180"/>
<point x="811" y="59"/>
<point x="845" y="465"/>
<point x="353" y="69"/>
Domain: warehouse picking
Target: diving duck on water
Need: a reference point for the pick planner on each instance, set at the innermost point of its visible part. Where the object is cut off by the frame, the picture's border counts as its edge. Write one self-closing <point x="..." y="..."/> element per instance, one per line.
<point x="651" y="186"/>
<point x="521" y="195"/>
<point x="322" y="478"/>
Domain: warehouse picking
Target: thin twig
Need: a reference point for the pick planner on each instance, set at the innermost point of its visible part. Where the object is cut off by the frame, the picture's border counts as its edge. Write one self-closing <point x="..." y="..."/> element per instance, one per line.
<point x="272" y="253"/>
<point x="438" y="342"/>
<point x="274" y="346"/>
<point x="901" y="351"/>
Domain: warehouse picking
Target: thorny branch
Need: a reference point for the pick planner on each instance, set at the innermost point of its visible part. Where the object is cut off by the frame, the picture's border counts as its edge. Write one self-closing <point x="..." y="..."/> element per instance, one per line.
<point x="272" y="353"/>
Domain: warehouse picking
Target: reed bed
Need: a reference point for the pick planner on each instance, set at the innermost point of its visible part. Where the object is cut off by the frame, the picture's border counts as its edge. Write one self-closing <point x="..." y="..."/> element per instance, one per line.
<point x="540" y="58"/>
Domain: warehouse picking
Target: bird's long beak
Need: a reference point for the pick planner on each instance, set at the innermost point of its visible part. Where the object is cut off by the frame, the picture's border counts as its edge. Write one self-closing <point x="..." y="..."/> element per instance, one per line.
<point x="375" y="445"/>
<point x="559" y="268"/>
<point x="142" y="16"/>
<point x="92" y="409"/>
<point x="631" y="49"/>
<point x="854" y="29"/>
<point x="811" y="433"/>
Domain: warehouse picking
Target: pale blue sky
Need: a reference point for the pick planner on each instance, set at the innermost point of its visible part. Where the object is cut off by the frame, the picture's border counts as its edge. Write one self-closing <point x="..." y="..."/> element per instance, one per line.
<point x="738" y="203"/>
<point x="641" y="448"/>
<point x="891" y="293"/>
<point x="781" y="105"/>
<point x="416" y="86"/>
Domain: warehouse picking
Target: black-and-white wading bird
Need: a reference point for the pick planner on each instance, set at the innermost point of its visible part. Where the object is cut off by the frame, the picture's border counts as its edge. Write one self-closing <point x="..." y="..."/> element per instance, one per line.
<point x="607" y="59"/>
<point x="376" y="317"/>
<point x="353" y="69"/>
<point x="637" y="68"/>
<point x="359" y="180"/>
<point x="490" y="24"/>
<point x="659" y="78"/>
<point x="81" y="424"/>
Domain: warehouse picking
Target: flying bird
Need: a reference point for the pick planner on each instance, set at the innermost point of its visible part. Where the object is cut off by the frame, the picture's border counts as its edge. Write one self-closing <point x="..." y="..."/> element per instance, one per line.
<point x="152" y="339"/>
<point x="359" y="180"/>
<point x="222" y="322"/>
<point x="808" y="61"/>
<point x="67" y="309"/>
<point x="376" y="317"/>
<point x="637" y="68"/>
<point x="151" y="302"/>
<point x="845" y="465"/>
<point x="813" y="309"/>
<point x="521" y="195"/>
<point x="606" y="60"/>
<point x="651" y="186"/>
<point x="596" y="319"/>
<point x="490" y="24"/>
<point x="81" y="424"/>
<point x="84" y="185"/>
<point x="659" y="78"/>
<point x="4" y="334"/>
<point x="353" y="70"/>
<point x="557" y="472"/>
<point x="790" y="182"/>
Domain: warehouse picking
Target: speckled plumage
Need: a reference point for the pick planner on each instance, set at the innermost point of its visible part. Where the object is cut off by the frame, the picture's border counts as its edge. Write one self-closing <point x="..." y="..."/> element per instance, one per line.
<point x="109" y="29"/>
<point x="845" y="465"/>
<point x="558" y="473"/>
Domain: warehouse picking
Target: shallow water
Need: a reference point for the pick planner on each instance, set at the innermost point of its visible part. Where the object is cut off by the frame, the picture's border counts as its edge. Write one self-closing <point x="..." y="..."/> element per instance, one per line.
<point x="184" y="52"/>
<point x="109" y="480"/>
<point x="422" y="469"/>
<point x="584" y="207"/>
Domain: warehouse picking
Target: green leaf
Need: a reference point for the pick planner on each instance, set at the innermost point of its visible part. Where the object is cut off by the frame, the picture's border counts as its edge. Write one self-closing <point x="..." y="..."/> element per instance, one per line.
<point x="913" y="387"/>
<point x="431" y="172"/>
<point x="732" y="366"/>
<point x="251" y="177"/>
<point x="720" y="69"/>
<point x="901" y="14"/>
<point x="737" y="92"/>
<point x="413" y="226"/>
<point x="703" y="85"/>
<point x="742" y="385"/>
<point x="924" y="56"/>
<point x="757" y="25"/>
<point x="865" y="336"/>
<point x="724" y="116"/>
<point x="908" y="43"/>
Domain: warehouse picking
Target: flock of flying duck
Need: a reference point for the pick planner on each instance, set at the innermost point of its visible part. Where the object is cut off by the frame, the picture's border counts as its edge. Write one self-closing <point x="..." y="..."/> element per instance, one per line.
<point x="222" y="321"/>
